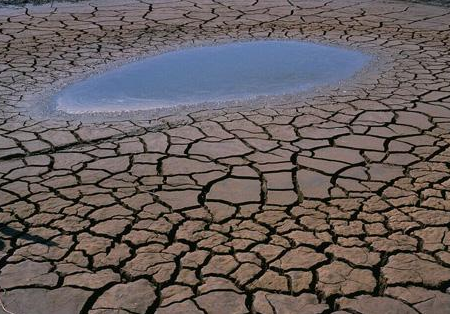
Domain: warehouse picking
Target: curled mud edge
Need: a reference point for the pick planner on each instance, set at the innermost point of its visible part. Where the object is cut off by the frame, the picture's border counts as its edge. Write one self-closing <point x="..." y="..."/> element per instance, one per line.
<point x="39" y="106"/>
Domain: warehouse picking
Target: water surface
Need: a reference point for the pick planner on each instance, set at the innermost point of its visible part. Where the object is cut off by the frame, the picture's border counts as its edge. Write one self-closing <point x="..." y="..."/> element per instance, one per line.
<point x="225" y="72"/>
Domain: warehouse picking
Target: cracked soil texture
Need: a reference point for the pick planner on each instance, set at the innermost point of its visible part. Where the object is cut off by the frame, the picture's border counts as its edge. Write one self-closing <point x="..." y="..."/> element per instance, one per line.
<point x="335" y="203"/>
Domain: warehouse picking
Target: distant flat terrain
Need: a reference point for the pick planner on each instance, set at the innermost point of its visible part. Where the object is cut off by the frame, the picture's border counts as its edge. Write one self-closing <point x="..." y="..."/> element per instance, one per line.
<point x="335" y="202"/>
<point x="24" y="2"/>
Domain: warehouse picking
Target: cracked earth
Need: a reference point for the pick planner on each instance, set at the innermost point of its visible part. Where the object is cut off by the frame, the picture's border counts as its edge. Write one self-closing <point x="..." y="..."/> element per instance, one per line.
<point x="336" y="203"/>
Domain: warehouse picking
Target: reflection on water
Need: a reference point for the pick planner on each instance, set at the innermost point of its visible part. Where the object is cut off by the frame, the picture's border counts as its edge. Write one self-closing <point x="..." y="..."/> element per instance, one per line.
<point x="211" y="74"/>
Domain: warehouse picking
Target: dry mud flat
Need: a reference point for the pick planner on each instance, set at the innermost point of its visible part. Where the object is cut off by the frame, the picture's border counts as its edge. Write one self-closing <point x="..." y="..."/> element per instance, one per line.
<point x="25" y="2"/>
<point x="338" y="203"/>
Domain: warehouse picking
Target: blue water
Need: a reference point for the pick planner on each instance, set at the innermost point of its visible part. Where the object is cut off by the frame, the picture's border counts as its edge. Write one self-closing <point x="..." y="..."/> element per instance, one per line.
<point x="211" y="74"/>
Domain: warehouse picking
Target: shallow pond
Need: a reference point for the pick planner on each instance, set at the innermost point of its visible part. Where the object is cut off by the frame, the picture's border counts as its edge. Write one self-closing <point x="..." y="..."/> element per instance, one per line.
<point x="225" y="72"/>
